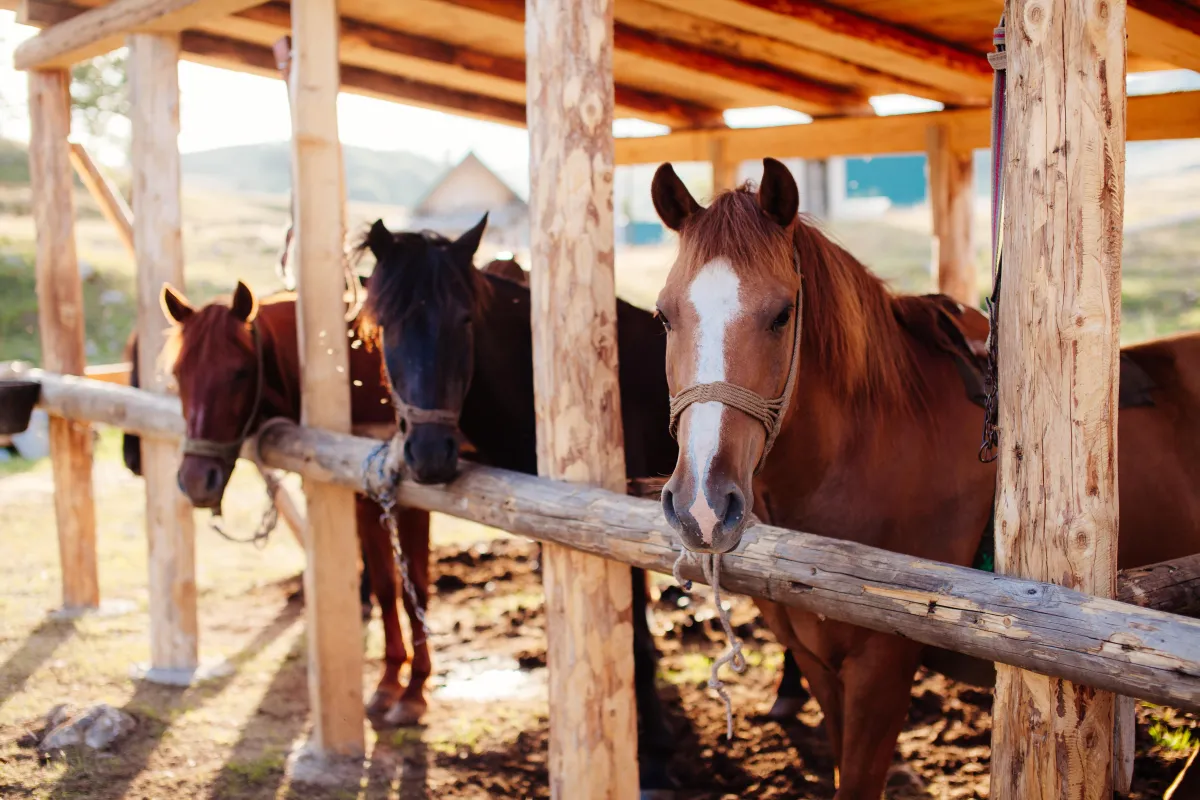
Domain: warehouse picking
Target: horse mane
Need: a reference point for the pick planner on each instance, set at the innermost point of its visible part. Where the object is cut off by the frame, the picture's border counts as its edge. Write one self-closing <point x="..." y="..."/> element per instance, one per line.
<point x="413" y="275"/>
<point x="851" y="331"/>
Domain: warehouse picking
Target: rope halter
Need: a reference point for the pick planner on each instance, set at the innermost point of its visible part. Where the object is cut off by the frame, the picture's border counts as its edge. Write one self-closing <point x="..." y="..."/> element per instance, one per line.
<point x="769" y="412"/>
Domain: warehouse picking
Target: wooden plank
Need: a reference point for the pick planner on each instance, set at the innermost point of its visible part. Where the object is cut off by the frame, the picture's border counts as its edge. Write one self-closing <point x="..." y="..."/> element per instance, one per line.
<point x="112" y="205"/>
<point x="655" y="106"/>
<point x="331" y="578"/>
<point x="1172" y="27"/>
<point x="61" y="326"/>
<point x="102" y="29"/>
<point x="727" y="40"/>
<point x="222" y="51"/>
<point x="724" y="170"/>
<point x="589" y="625"/>
<point x="110" y="373"/>
<point x="1170" y="584"/>
<point x="951" y="197"/>
<point x="1060" y="310"/>
<point x="1057" y="631"/>
<point x="1124" y="743"/>
<point x="158" y="244"/>
<point x="853" y="37"/>
<point x="1151" y="117"/>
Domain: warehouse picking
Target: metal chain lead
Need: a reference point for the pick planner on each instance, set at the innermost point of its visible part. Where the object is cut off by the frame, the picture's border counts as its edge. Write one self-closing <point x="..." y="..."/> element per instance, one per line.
<point x="381" y="484"/>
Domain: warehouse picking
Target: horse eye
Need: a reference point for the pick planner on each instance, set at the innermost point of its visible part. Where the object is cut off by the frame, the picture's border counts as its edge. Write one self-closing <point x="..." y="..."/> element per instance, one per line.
<point x="661" y="317"/>
<point x="781" y="321"/>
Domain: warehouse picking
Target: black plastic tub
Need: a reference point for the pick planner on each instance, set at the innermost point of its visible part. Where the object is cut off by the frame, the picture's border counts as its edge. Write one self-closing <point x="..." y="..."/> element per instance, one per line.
<point x="17" y="399"/>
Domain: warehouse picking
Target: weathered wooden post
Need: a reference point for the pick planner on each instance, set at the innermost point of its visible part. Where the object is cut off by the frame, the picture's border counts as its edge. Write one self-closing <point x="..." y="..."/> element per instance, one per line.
<point x="950" y="199"/>
<point x="724" y="169"/>
<point x="1056" y="510"/>
<point x="60" y="323"/>
<point x="158" y="246"/>
<point x="335" y="672"/>
<point x="593" y="725"/>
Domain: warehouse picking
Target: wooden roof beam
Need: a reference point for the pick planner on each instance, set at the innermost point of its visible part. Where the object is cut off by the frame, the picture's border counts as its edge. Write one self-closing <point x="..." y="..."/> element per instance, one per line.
<point x="810" y="96"/>
<point x="1172" y="26"/>
<point x="654" y="106"/>
<point x="100" y="30"/>
<point x="222" y="51"/>
<point x="852" y="36"/>
<point x="1149" y="118"/>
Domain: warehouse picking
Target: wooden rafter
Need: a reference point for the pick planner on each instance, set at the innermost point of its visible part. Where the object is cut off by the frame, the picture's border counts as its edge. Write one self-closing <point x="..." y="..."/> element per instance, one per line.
<point x="851" y="36"/>
<point x="812" y="96"/>
<point x="1152" y="117"/>
<point x="655" y="106"/>
<point x="1172" y="26"/>
<point x="99" y="30"/>
<point x="220" y="50"/>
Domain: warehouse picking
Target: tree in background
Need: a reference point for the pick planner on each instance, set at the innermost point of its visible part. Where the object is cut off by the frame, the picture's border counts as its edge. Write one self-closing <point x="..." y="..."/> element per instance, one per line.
<point x="100" y="103"/>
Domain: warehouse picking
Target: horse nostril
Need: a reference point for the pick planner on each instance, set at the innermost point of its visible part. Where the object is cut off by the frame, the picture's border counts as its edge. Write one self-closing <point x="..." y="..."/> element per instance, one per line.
<point x="735" y="510"/>
<point x="212" y="479"/>
<point x="450" y="450"/>
<point x="409" y="457"/>
<point x="668" y="506"/>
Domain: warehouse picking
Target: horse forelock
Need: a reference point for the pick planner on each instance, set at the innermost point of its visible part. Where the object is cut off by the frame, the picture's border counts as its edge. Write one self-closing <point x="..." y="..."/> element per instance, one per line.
<point x="850" y="332"/>
<point x="417" y="273"/>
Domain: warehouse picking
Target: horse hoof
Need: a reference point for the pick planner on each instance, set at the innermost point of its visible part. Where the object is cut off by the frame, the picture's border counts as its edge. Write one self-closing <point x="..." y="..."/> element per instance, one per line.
<point x="405" y="713"/>
<point x="380" y="703"/>
<point x="786" y="708"/>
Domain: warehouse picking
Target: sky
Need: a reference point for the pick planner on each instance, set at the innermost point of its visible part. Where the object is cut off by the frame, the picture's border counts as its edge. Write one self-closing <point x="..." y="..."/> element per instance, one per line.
<point x="220" y="108"/>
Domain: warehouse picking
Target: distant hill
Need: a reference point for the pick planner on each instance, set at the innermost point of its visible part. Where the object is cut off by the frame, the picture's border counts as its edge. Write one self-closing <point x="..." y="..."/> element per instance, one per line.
<point x="394" y="178"/>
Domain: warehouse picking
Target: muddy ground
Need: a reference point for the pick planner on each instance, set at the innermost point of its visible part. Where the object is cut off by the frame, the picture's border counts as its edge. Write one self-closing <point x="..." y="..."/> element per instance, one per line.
<point x="485" y="734"/>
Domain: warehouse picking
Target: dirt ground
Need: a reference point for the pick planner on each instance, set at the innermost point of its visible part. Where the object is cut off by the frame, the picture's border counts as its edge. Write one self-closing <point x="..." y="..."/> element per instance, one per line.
<point x="485" y="734"/>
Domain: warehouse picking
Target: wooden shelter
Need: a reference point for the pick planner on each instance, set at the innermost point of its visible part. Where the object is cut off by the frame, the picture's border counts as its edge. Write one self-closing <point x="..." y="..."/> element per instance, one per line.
<point x="462" y="194"/>
<point x="566" y="69"/>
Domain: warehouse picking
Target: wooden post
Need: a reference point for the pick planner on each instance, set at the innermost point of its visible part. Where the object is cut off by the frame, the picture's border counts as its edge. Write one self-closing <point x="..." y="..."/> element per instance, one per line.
<point x="593" y="724"/>
<point x="1056" y="509"/>
<point x="158" y="244"/>
<point x="814" y="196"/>
<point x="60" y="322"/>
<point x="112" y="204"/>
<point x="950" y="198"/>
<point x="724" y="169"/>
<point x="331" y="579"/>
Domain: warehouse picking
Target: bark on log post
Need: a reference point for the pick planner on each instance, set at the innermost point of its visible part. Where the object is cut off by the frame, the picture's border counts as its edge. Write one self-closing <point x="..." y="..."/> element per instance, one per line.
<point x="950" y="196"/>
<point x="593" y="725"/>
<point x="1056" y="507"/>
<point x="60" y="324"/>
<point x="1142" y="653"/>
<point x="158" y="246"/>
<point x="331" y="579"/>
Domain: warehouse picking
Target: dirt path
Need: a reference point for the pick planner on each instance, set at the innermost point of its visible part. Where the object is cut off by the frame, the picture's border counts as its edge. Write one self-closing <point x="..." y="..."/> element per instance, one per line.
<point x="485" y="735"/>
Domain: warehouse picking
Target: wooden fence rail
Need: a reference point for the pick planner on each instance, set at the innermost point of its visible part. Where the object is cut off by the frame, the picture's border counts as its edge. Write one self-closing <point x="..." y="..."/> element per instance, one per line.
<point x="1111" y="645"/>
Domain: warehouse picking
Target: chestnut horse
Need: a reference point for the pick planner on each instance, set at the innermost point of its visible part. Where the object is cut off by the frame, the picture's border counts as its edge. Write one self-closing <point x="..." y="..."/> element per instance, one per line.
<point x="216" y="352"/>
<point x="877" y="442"/>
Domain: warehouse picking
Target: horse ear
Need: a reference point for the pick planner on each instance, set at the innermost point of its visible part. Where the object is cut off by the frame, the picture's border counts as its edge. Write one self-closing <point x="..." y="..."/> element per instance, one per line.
<point x="244" y="304"/>
<point x="777" y="195"/>
<point x="464" y="247"/>
<point x="380" y="240"/>
<point x="174" y="305"/>
<point x="672" y="200"/>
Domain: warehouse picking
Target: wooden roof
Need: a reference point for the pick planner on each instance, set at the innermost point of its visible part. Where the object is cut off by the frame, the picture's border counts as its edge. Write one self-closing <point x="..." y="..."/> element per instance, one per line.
<point x="677" y="62"/>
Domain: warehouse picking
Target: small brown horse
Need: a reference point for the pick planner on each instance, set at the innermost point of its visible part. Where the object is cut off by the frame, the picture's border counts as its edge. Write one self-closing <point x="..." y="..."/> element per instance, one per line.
<point x="507" y="268"/>
<point x="878" y="441"/>
<point x="215" y="352"/>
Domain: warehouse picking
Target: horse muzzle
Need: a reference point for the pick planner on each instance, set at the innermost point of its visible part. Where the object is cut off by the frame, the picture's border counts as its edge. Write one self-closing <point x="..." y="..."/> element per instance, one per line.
<point x="203" y="479"/>
<point x="708" y="522"/>
<point x="431" y="452"/>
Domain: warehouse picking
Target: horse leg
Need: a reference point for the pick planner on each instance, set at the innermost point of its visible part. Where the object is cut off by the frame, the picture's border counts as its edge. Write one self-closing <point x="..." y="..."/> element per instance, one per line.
<point x="377" y="546"/>
<point x="791" y="695"/>
<point x="364" y="588"/>
<point x="414" y="541"/>
<point x="877" y="678"/>
<point x="655" y="744"/>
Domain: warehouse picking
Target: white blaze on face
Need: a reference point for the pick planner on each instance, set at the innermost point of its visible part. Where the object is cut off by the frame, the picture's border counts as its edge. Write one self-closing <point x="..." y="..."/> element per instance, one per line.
<point x="714" y="296"/>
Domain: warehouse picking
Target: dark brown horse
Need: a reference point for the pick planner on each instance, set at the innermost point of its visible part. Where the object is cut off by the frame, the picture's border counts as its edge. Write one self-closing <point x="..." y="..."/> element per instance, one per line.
<point x="507" y="268"/>
<point x="215" y="352"/>
<point x="879" y="440"/>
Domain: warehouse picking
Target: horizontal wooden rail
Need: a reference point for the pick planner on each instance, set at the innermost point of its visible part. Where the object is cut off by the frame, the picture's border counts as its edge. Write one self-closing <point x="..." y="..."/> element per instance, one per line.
<point x="1111" y="645"/>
